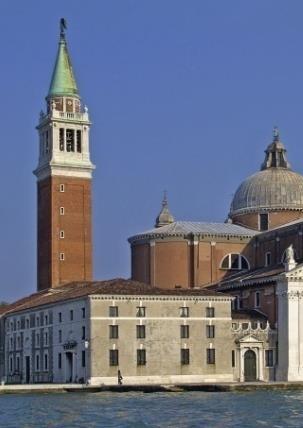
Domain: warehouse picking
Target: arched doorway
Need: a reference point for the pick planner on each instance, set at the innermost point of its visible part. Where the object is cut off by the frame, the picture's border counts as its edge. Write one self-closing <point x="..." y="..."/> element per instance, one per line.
<point x="250" y="366"/>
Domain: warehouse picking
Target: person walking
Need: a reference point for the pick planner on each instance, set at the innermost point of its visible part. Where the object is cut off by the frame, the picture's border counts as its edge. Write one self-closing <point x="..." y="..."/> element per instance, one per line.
<point x="120" y="378"/>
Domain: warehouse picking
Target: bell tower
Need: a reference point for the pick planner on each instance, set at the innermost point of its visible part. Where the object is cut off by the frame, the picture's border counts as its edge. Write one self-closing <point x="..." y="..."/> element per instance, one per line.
<point x="64" y="174"/>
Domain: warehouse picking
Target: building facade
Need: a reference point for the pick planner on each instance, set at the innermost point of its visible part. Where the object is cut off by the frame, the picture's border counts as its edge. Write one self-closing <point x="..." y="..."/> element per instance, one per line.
<point x="86" y="332"/>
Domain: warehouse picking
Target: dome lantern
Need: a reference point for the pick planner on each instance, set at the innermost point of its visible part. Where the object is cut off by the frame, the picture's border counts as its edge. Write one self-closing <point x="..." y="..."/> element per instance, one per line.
<point x="165" y="217"/>
<point x="275" y="153"/>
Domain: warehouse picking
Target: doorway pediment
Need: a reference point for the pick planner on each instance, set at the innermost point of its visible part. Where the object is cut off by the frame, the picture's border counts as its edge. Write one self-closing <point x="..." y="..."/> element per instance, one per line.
<point x="249" y="339"/>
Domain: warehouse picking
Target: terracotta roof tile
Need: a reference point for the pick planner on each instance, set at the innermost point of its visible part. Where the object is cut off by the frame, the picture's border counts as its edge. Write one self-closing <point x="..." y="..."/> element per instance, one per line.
<point x="116" y="286"/>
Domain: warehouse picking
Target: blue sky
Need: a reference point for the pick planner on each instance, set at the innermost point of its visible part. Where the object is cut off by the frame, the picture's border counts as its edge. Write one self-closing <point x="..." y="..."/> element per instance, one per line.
<point x="183" y="96"/>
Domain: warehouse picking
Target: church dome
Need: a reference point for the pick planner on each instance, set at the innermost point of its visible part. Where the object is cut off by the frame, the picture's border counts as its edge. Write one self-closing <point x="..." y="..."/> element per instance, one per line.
<point x="276" y="187"/>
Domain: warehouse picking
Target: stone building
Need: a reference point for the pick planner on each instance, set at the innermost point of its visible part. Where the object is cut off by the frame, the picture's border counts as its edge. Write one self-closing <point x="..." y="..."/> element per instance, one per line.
<point x="86" y="332"/>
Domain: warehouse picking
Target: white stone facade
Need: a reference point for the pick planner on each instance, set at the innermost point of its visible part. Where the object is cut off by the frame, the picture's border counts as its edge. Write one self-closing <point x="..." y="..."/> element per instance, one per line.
<point x="290" y="325"/>
<point x="72" y="341"/>
<point x="35" y="339"/>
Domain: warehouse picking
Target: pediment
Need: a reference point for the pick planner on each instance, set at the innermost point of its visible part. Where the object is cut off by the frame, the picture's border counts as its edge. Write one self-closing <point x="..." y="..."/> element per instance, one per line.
<point x="249" y="339"/>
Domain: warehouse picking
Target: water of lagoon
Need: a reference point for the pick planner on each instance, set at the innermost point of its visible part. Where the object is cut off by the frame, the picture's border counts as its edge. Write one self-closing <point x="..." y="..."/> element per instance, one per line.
<point x="135" y="410"/>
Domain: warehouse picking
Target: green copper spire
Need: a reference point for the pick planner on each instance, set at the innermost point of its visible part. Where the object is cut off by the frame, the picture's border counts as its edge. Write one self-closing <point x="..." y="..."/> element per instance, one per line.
<point x="63" y="82"/>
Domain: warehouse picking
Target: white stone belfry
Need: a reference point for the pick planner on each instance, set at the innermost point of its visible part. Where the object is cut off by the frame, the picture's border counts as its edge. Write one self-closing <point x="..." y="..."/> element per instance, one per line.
<point x="64" y="145"/>
<point x="290" y="324"/>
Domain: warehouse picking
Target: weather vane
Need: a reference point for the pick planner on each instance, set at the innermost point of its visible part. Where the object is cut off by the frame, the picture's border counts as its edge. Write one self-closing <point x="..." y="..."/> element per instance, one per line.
<point x="63" y="27"/>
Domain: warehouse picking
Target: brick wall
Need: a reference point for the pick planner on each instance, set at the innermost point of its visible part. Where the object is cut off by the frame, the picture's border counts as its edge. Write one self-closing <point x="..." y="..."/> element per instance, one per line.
<point x="76" y="245"/>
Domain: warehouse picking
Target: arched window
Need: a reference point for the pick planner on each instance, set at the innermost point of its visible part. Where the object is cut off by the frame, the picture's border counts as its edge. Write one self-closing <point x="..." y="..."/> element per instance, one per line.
<point x="234" y="261"/>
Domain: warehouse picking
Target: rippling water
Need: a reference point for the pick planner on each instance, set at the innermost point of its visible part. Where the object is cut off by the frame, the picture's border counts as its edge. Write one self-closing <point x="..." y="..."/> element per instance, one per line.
<point x="132" y="410"/>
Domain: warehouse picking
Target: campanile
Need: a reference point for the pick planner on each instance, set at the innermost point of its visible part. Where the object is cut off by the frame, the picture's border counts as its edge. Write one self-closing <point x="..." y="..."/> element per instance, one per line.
<point x="64" y="174"/>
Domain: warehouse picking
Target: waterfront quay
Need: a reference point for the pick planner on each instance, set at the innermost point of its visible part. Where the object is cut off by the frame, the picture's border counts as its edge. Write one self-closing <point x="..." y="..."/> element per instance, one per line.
<point x="206" y="387"/>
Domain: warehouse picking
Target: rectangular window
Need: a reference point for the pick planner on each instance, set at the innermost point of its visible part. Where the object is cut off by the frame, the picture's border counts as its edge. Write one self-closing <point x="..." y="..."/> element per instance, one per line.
<point x="18" y="363"/>
<point x="83" y="362"/>
<point x="61" y="139"/>
<point x="61" y="210"/>
<point x="59" y="360"/>
<point x="11" y="364"/>
<point x="83" y="332"/>
<point x="37" y="363"/>
<point x="210" y="331"/>
<point x="79" y="143"/>
<point x="37" y="339"/>
<point x="60" y="316"/>
<point x="62" y="257"/>
<point x="269" y="358"/>
<point x="140" y="331"/>
<point x="257" y="299"/>
<point x="210" y="312"/>
<point x="45" y="362"/>
<point x="233" y="359"/>
<point x="184" y="312"/>
<point x="141" y="357"/>
<point x="61" y="234"/>
<point x="113" y="311"/>
<point x="113" y="331"/>
<point x="263" y="221"/>
<point x="70" y="140"/>
<point x="184" y="356"/>
<point x="184" y="331"/>
<point x="46" y="339"/>
<point x="113" y="357"/>
<point x="267" y="259"/>
<point x="45" y="319"/>
<point x="83" y="312"/>
<point x="140" y="311"/>
<point x="62" y="188"/>
<point x="60" y="336"/>
<point x="71" y="315"/>
<point x="211" y="356"/>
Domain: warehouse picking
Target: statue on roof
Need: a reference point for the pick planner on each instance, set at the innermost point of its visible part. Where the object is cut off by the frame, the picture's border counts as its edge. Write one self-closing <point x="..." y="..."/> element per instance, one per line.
<point x="290" y="254"/>
<point x="63" y="27"/>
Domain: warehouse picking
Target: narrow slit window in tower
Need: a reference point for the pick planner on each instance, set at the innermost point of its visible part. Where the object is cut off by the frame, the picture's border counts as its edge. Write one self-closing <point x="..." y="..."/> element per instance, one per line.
<point x="79" y="142"/>
<point x="46" y="143"/>
<point x="61" y="139"/>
